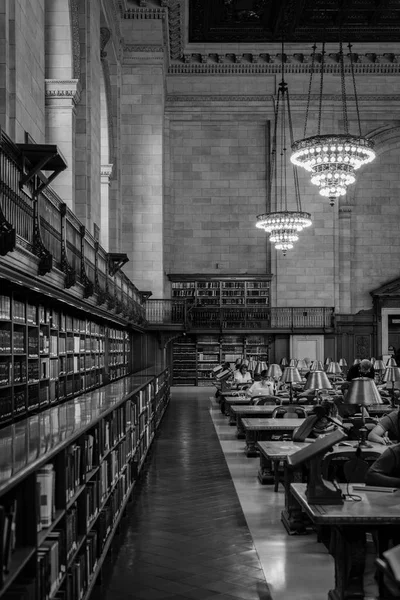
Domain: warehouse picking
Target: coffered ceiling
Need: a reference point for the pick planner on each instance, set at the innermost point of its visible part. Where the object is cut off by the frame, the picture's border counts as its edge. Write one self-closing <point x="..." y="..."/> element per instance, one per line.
<point x="262" y="21"/>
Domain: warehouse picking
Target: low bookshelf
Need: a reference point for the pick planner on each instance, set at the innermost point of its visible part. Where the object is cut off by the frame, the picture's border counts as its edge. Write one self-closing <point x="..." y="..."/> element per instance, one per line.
<point x="66" y="476"/>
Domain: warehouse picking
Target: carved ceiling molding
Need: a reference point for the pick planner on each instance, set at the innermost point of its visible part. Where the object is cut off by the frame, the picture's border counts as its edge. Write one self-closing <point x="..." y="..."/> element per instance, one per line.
<point x="140" y="48"/>
<point x="173" y="98"/>
<point x="63" y="89"/>
<point x="144" y="13"/>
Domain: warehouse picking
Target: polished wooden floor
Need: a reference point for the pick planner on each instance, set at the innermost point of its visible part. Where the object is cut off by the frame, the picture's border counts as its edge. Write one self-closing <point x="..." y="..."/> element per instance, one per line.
<point x="202" y="527"/>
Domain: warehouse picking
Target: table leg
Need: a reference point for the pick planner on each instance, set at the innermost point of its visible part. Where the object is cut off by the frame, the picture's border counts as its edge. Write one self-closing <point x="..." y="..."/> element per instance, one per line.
<point x="251" y="440"/>
<point x="349" y="554"/>
<point x="232" y="418"/>
<point x="240" y="433"/>
<point x="292" y="516"/>
<point x="265" y="474"/>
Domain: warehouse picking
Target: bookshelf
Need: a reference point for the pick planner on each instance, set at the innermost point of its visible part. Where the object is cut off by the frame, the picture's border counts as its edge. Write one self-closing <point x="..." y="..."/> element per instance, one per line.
<point x="50" y="352"/>
<point x="229" y="291"/>
<point x="78" y="463"/>
<point x="208" y="357"/>
<point x="184" y="357"/>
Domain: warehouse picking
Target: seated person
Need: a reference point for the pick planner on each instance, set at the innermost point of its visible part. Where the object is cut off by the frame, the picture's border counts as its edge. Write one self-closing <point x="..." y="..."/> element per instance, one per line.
<point x="387" y="430"/>
<point x="385" y="471"/>
<point x="265" y="387"/>
<point x="242" y="375"/>
<point x="323" y="420"/>
<point x="363" y="369"/>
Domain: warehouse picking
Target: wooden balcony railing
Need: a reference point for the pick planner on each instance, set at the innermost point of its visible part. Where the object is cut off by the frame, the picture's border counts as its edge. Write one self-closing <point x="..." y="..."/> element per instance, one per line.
<point x="184" y="312"/>
<point x="41" y="223"/>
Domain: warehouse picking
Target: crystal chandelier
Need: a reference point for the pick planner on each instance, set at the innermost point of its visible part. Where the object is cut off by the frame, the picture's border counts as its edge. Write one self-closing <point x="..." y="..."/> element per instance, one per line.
<point x="282" y="224"/>
<point x="332" y="159"/>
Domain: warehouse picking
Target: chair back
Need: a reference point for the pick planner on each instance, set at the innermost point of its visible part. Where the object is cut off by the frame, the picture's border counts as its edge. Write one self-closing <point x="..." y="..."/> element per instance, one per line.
<point x="290" y="411"/>
<point x="266" y="400"/>
<point x="243" y="386"/>
<point x="345" y="467"/>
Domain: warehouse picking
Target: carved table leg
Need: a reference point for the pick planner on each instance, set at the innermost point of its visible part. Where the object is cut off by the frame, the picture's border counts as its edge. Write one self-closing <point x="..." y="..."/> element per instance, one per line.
<point x="349" y="555"/>
<point x="240" y="433"/>
<point x="251" y="440"/>
<point x="232" y="418"/>
<point x="292" y="516"/>
<point x="265" y="473"/>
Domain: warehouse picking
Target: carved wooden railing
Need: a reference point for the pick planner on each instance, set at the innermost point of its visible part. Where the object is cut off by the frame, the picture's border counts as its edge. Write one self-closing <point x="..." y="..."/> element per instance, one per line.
<point x="43" y="224"/>
<point x="184" y="312"/>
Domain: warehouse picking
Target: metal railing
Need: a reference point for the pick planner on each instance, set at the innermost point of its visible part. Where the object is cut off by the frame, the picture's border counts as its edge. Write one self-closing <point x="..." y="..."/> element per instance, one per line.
<point x="186" y="313"/>
<point x="46" y="227"/>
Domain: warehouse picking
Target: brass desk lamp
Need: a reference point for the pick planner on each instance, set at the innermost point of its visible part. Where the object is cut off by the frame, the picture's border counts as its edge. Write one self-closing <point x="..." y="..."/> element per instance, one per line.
<point x="291" y="375"/>
<point x="318" y="380"/>
<point x="363" y="392"/>
<point x="391" y="374"/>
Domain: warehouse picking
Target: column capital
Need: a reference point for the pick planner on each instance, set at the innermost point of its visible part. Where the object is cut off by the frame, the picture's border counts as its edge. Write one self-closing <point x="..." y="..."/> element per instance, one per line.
<point x="68" y="90"/>
<point x="106" y="172"/>
<point x="345" y="211"/>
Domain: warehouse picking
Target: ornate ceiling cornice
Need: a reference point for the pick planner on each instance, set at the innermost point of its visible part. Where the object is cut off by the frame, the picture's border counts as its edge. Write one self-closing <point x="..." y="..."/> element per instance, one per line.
<point x="173" y="98"/>
<point x="141" y="48"/>
<point x="63" y="88"/>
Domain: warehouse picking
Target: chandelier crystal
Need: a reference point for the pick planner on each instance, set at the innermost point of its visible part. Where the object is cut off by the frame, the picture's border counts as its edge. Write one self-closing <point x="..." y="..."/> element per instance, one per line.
<point x="332" y="159"/>
<point x="283" y="225"/>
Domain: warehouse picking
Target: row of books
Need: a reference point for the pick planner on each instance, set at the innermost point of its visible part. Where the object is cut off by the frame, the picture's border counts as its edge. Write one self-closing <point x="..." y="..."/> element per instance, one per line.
<point x="5" y="339"/>
<point x="79" y="574"/>
<point x="45" y="489"/>
<point x="50" y="564"/>
<point x="8" y="515"/>
<point x="5" y="307"/>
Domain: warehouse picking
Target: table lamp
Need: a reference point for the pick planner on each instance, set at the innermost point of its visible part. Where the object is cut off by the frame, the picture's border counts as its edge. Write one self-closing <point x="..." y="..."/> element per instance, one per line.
<point x="363" y="392"/>
<point x="291" y="375"/>
<point x="391" y="362"/>
<point x="316" y="365"/>
<point x="379" y="368"/>
<point x="327" y="362"/>
<point x="334" y="370"/>
<point x="293" y="362"/>
<point x="356" y="361"/>
<point x="343" y="364"/>
<point x="372" y="360"/>
<point x="252" y="366"/>
<point x="318" y="380"/>
<point x="283" y="362"/>
<point x="391" y="374"/>
<point x="302" y="366"/>
<point x="260" y="366"/>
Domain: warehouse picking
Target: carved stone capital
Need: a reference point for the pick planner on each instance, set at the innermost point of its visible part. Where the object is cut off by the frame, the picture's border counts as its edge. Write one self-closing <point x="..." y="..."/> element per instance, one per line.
<point x="67" y="90"/>
<point x="345" y="211"/>
<point x="106" y="173"/>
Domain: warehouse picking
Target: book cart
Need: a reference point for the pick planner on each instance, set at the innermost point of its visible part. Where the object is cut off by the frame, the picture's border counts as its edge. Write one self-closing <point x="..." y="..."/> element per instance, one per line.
<point x="66" y="476"/>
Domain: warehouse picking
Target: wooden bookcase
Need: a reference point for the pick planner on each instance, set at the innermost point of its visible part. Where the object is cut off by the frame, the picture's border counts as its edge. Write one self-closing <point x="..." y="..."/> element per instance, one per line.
<point x="229" y="291"/>
<point x="50" y="352"/>
<point x="195" y="356"/>
<point x="66" y="476"/>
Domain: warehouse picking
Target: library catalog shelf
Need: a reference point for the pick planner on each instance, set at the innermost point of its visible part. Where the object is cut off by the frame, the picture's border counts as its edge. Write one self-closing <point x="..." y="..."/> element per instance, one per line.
<point x="78" y="463"/>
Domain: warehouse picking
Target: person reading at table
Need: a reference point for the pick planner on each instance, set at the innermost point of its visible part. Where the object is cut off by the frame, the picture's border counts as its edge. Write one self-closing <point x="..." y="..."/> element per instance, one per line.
<point x="264" y="387"/>
<point x="387" y="430"/>
<point x="242" y="375"/>
<point x="362" y="369"/>
<point x="385" y="471"/>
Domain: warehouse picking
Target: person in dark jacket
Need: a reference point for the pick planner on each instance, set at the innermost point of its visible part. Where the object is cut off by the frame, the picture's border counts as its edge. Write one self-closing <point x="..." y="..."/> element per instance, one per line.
<point x="385" y="471"/>
<point x="363" y="369"/>
<point x="387" y="430"/>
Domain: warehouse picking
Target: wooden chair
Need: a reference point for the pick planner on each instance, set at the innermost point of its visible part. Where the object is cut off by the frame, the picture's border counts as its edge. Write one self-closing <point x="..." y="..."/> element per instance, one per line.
<point x="290" y="411"/>
<point x="265" y="400"/>
<point x="346" y="467"/>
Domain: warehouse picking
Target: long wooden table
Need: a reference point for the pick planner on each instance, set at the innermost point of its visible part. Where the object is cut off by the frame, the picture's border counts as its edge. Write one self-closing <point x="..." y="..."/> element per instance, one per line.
<point x="250" y="411"/>
<point x="259" y="429"/>
<point x="349" y="522"/>
<point x="275" y="453"/>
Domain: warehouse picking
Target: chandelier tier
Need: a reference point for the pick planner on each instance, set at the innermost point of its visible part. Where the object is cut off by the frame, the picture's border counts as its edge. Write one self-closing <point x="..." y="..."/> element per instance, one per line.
<point x="332" y="159"/>
<point x="283" y="225"/>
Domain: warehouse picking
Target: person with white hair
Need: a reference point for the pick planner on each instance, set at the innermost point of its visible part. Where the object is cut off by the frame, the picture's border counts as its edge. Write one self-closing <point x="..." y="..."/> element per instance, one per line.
<point x="362" y="369"/>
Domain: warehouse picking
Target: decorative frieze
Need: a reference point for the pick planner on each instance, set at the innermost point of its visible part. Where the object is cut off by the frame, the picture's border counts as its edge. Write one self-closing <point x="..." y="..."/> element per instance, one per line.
<point x="66" y="89"/>
<point x="141" y="48"/>
<point x="370" y="98"/>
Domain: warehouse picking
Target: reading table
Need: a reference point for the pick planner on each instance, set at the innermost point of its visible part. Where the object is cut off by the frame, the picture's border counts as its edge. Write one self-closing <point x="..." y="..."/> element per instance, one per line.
<point x="257" y="411"/>
<point x="348" y="523"/>
<point x="263" y="429"/>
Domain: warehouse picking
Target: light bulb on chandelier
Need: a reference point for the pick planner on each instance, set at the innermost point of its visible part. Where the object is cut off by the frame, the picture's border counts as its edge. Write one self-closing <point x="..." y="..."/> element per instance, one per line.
<point x="332" y="158"/>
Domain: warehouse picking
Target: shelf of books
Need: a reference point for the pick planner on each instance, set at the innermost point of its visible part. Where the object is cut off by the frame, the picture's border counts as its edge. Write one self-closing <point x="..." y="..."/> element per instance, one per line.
<point x="257" y="348"/>
<point x="208" y="357"/>
<point x="77" y="463"/>
<point x="49" y="353"/>
<point x="184" y="358"/>
<point x="228" y="292"/>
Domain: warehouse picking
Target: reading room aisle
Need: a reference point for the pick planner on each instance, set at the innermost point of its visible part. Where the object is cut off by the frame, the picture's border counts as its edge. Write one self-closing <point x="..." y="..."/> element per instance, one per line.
<point x="202" y="527"/>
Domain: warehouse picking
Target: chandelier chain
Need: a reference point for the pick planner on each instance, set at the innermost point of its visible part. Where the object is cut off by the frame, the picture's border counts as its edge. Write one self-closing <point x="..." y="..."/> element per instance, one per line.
<point x="354" y="87"/>
<point x="295" y="171"/>
<point x="321" y="88"/>
<point x="343" y="84"/>
<point x="309" y="89"/>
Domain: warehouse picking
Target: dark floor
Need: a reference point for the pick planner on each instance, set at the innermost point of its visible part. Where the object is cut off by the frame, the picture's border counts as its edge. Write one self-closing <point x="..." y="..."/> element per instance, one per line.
<point x="185" y="535"/>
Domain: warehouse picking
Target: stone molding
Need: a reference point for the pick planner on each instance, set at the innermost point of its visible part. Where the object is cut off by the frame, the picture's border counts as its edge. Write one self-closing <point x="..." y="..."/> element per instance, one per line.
<point x="139" y="48"/>
<point x="144" y="13"/>
<point x="173" y="98"/>
<point x="76" y="47"/>
<point x="106" y="173"/>
<point x="345" y="211"/>
<point x="64" y="89"/>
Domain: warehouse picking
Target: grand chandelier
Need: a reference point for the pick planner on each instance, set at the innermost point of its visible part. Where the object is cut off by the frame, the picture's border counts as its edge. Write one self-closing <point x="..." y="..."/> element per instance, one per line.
<point x="283" y="225"/>
<point x="332" y="159"/>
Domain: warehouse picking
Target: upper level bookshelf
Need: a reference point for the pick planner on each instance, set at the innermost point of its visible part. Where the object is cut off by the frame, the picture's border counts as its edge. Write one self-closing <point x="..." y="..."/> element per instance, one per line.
<point x="50" y="352"/>
<point x="66" y="476"/>
<point x="227" y="291"/>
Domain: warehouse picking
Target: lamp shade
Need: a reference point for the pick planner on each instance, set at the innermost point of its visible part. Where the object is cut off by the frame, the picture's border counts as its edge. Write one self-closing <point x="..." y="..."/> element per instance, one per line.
<point x="316" y="366"/>
<point x="293" y="362"/>
<point x="379" y="365"/>
<point x="284" y="362"/>
<point x="260" y="366"/>
<point x="252" y="365"/>
<point x="302" y="365"/>
<point x="333" y="368"/>
<point x="357" y="361"/>
<point x="391" y="362"/>
<point x="342" y="362"/>
<point x="274" y="371"/>
<point x="363" y="391"/>
<point x="372" y="360"/>
<point x="238" y="361"/>
<point x="327" y="361"/>
<point x="391" y="374"/>
<point x="291" y="375"/>
<point x="245" y="362"/>
<point x="318" y="380"/>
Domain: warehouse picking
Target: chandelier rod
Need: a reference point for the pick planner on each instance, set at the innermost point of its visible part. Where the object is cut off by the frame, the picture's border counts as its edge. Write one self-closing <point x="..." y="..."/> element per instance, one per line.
<point x="354" y="87"/>
<point x="314" y="47"/>
<point x="321" y="88"/>
<point x="343" y="83"/>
